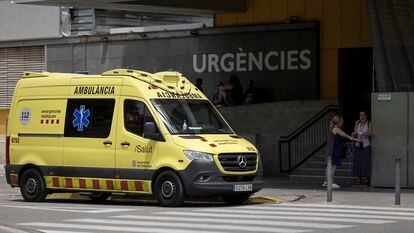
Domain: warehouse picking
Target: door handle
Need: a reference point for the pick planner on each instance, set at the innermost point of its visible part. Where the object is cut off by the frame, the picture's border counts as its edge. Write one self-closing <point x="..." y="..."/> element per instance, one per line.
<point x="107" y="143"/>
<point x="125" y="144"/>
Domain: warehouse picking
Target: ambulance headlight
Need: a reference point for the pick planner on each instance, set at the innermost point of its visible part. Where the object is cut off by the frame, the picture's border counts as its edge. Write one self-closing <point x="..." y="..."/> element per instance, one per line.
<point x="197" y="155"/>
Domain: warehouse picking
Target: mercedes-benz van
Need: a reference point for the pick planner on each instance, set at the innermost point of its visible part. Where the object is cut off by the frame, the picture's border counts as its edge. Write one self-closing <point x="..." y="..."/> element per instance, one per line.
<point x="124" y="131"/>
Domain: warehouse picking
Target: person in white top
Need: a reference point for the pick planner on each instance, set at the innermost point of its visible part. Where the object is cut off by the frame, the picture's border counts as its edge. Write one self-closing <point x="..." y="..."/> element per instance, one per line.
<point x="362" y="131"/>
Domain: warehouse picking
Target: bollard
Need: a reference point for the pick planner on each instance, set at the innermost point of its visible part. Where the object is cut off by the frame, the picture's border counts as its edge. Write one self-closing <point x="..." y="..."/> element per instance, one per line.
<point x="397" y="181"/>
<point x="329" y="180"/>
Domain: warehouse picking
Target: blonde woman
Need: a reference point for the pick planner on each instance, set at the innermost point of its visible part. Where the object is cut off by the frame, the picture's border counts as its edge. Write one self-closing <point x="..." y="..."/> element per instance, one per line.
<point x="334" y="145"/>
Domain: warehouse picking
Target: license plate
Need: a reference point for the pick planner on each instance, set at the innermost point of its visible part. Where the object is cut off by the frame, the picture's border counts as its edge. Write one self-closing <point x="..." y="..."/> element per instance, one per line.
<point x="242" y="187"/>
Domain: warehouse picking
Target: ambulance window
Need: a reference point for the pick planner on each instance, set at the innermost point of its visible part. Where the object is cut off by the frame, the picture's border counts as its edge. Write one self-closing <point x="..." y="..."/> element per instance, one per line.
<point x="136" y="114"/>
<point x="89" y="118"/>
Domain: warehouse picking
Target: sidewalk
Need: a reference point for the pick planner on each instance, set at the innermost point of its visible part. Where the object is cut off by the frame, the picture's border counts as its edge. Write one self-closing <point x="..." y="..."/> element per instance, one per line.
<point x="316" y="194"/>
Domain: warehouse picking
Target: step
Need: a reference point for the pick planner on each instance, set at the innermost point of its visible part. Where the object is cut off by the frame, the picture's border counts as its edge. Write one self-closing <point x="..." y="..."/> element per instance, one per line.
<point x="321" y="171"/>
<point x="318" y="180"/>
<point x="322" y="165"/>
<point x="323" y="158"/>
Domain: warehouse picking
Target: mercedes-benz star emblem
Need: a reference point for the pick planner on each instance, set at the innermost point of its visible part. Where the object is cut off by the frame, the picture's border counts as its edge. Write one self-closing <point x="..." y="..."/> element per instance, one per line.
<point x="241" y="159"/>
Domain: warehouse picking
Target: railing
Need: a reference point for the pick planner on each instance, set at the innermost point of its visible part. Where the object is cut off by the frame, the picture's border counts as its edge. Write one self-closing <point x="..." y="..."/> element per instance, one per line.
<point x="307" y="140"/>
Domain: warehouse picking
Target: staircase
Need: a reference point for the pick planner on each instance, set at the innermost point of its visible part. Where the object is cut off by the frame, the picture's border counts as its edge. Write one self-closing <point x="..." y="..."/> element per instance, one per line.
<point x="302" y="153"/>
<point x="313" y="170"/>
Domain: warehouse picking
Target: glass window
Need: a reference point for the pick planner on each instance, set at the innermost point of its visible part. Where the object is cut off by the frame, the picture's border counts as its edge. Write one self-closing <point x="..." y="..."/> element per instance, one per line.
<point x="182" y="116"/>
<point x="136" y="114"/>
<point x="89" y="118"/>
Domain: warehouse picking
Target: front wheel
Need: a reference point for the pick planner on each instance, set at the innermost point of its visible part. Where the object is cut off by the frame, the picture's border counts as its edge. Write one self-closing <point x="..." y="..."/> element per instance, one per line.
<point x="169" y="189"/>
<point x="236" y="199"/>
<point x="32" y="186"/>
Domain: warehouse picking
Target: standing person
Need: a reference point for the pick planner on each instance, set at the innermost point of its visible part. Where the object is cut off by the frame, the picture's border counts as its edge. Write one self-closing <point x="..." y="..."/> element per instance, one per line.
<point x="334" y="146"/>
<point x="362" y="131"/>
<point x="199" y="84"/>
<point x="215" y="97"/>
<point x="232" y="93"/>
<point x="251" y="94"/>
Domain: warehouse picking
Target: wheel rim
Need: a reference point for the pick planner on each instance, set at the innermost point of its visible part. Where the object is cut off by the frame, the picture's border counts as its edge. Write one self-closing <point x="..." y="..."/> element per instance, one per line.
<point x="168" y="189"/>
<point x="31" y="185"/>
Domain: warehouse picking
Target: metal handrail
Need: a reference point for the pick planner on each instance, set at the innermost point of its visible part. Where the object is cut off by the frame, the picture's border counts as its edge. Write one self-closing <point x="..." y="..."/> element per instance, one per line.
<point x="305" y="141"/>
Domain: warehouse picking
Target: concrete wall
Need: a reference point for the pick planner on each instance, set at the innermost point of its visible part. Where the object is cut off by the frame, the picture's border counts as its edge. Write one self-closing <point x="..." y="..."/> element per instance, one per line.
<point x="282" y="79"/>
<point x="270" y="120"/>
<point x="27" y="21"/>
<point x="393" y="133"/>
<point x="343" y="24"/>
<point x="3" y="117"/>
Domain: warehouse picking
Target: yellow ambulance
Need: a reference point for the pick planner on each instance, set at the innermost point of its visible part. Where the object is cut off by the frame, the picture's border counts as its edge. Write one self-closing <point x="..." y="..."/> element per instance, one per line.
<point x="125" y="131"/>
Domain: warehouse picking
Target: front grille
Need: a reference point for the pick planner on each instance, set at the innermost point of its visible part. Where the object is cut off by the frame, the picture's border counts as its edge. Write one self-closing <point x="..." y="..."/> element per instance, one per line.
<point x="230" y="162"/>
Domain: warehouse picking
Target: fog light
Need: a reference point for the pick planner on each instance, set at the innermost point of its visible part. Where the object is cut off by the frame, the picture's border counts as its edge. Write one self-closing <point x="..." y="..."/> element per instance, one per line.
<point x="203" y="178"/>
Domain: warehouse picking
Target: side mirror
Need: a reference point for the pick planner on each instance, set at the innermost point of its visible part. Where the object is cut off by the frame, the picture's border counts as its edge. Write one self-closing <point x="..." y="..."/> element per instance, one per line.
<point x="150" y="132"/>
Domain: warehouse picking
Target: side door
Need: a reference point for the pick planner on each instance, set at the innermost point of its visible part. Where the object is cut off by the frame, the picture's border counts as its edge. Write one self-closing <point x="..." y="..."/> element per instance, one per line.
<point x="89" y="139"/>
<point x="135" y="154"/>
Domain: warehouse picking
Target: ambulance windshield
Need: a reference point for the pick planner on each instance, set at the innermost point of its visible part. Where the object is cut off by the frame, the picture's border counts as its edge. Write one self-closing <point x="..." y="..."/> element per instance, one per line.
<point x="182" y="116"/>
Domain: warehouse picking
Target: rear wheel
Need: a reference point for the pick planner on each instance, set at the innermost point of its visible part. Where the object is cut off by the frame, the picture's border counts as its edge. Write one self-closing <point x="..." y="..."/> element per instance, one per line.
<point x="32" y="186"/>
<point x="236" y="199"/>
<point x="100" y="196"/>
<point x="169" y="189"/>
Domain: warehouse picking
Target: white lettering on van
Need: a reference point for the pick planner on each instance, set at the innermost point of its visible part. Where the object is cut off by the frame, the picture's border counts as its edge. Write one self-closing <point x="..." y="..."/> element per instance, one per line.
<point x="94" y="90"/>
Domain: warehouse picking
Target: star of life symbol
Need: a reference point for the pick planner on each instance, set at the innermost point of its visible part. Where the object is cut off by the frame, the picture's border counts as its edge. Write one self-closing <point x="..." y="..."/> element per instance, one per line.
<point x="81" y="118"/>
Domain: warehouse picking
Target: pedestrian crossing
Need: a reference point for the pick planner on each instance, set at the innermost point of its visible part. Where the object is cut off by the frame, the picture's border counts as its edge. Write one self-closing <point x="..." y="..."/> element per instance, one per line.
<point x="279" y="218"/>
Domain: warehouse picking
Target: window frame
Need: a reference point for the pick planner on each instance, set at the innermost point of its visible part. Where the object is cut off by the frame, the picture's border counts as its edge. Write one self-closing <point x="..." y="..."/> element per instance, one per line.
<point x="69" y="118"/>
<point x="146" y="110"/>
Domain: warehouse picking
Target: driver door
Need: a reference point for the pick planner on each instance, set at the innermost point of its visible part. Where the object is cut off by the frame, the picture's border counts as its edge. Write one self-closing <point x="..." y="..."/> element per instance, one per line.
<point x="135" y="154"/>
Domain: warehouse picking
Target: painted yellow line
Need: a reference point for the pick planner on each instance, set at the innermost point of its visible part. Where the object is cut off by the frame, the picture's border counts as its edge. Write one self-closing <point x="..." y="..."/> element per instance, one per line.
<point x="267" y="199"/>
<point x="64" y="195"/>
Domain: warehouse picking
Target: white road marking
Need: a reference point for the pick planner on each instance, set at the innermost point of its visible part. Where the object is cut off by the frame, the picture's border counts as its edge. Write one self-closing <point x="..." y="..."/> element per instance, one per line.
<point x="110" y="228"/>
<point x="276" y="217"/>
<point x="188" y="225"/>
<point x="10" y="230"/>
<point x="343" y="206"/>
<point x="237" y="221"/>
<point x="62" y="209"/>
<point x="299" y="213"/>
<point x="327" y="209"/>
<point x="54" y="231"/>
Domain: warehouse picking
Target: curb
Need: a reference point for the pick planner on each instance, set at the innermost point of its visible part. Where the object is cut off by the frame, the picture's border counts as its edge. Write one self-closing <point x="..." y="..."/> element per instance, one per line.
<point x="132" y="198"/>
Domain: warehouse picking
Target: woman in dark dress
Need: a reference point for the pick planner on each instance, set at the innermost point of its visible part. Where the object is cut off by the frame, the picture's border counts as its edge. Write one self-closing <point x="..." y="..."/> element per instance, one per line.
<point x="334" y="145"/>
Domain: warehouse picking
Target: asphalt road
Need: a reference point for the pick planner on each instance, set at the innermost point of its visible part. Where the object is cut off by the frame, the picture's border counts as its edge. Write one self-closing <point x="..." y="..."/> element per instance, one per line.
<point x="78" y="215"/>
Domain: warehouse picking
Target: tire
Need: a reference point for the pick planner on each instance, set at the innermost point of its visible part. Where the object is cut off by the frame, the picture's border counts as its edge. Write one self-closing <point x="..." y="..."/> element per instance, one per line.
<point x="236" y="199"/>
<point x="32" y="186"/>
<point x="100" y="196"/>
<point x="169" y="190"/>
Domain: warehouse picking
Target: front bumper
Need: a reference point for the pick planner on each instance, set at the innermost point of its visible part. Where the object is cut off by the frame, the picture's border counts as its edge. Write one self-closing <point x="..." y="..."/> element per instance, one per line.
<point x="216" y="182"/>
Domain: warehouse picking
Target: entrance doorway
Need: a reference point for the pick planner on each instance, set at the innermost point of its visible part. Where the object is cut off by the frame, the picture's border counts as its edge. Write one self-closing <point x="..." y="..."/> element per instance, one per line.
<point x="355" y="83"/>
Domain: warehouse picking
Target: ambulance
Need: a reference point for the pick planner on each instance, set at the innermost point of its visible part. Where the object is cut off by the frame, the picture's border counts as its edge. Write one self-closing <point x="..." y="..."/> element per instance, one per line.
<point x="124" y="131"/>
